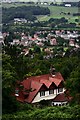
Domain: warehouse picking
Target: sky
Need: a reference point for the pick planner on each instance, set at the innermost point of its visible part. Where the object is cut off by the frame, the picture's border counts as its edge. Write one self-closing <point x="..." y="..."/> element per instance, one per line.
<point x="44" y="0"/>
<point x="52" y="0"/>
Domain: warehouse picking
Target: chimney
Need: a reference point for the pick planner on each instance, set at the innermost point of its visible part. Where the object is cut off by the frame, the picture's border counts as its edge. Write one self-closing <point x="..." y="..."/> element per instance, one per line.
<point x="52" y="70"/>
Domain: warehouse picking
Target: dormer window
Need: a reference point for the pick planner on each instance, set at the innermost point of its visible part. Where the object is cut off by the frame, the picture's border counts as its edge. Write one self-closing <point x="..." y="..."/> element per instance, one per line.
<point x="60" y="90"/>
<point x="42" y="93"/>
<point x="51" y="91"/>
<point x="16" y="92"/>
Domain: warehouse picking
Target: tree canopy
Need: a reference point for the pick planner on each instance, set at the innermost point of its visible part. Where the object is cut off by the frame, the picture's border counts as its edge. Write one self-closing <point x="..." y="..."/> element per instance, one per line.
<point x="27" y="12"/>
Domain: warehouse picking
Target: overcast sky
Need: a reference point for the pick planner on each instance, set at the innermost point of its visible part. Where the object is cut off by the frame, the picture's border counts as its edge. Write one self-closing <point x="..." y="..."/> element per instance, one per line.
<point x="52" y="0"/>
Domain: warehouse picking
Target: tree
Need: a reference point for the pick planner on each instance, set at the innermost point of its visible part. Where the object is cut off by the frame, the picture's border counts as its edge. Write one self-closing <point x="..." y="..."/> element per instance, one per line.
<point x="76" y="20"/>
<point x="73" y="85"/>
<point x="37" y="49"/>
<point x="60" y="41"/>
<point x="9" y="77"/>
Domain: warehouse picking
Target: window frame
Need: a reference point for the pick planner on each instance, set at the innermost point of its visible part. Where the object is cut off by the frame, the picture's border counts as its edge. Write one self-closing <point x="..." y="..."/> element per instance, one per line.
<point x="16" y="91"/>
<point x="42" y="93"/>
<point x="51" y="92"/>
<point x="60" y="90"/>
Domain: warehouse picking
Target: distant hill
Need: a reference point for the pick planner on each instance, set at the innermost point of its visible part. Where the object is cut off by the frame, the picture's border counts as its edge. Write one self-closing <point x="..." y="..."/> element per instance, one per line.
<point x="40" y="0"/>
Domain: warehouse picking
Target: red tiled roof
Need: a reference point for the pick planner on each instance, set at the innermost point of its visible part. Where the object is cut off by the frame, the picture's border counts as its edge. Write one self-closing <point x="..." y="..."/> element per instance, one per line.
<point x="36" y="86"/>
<point x="60" y="98"/>
<point x="46" y="82"/>
<point x="55" y="80"/>
<point x="26" y="83"/>
<point x="58" y="76"/>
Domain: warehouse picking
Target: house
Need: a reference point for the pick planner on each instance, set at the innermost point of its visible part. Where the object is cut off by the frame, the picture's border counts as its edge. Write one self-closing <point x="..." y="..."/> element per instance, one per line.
<point x="40" y="44"/>
<point x="25" y="51"/>
<point x="16" y="41"/>
<point x="77" y="46"/>
<point x="67" y="5"/>
<point x="53" y="41"/>
<point x="20" y="20"/>
<point x="45" y="3"/>
<point x="44" y="87"/>
<point x="1" y="38"/>
<point x="72" y="42"/>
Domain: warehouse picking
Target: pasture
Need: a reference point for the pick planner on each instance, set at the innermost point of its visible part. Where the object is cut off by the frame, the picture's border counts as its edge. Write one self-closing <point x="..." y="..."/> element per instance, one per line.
<point x="58" y="12"/>
<point x="55" y="11"/>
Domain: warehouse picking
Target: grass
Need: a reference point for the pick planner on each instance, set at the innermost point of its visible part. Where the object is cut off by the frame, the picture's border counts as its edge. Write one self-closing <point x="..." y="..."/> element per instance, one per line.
<point x="8" y="5"/>
<point x="55" y="13"/>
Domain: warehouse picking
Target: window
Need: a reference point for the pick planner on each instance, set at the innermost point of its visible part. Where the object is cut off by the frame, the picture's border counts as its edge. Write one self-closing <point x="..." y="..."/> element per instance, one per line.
<point x="42" y="93"/>
<point x="63" y="104"/>
<point x="51" y="91"/>
<point x="59" y="104"/>
<point x="60" y="90"/>
<point x="16" y="91"/>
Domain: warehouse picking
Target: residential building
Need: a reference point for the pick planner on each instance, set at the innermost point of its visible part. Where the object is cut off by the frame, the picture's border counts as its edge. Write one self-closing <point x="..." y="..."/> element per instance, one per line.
<point x="44" y="87"/>
<point x="72" y="42"/>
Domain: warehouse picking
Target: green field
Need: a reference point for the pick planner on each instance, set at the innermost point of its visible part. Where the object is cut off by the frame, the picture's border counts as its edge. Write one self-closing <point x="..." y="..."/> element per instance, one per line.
<point x="8" y="5"/>
<point x="54" y="11"/>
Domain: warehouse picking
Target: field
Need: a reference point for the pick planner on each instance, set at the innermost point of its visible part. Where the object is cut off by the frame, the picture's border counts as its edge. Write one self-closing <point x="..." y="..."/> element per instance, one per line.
<point x="54" y="11"/>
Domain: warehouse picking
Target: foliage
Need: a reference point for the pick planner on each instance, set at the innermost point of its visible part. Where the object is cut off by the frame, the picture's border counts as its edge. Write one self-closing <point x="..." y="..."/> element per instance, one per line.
<point x="73" y="84"/>
<point x="58" y="21"/>
<point x="48" y="113"/>
<point x="9" y="77"/>
<point x="37" y="49"/>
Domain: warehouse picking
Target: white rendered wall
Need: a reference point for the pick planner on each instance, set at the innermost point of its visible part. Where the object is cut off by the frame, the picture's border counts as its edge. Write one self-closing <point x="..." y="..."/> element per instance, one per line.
<point x="60" y="92"/>
<point x="47" y="96"/>
<point x="58" y="103"/>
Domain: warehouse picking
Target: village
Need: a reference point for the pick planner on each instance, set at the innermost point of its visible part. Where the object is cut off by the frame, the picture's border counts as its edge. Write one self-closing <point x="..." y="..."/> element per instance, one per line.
<point x="40" y="37"/>
<point x="47" y="40"/>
